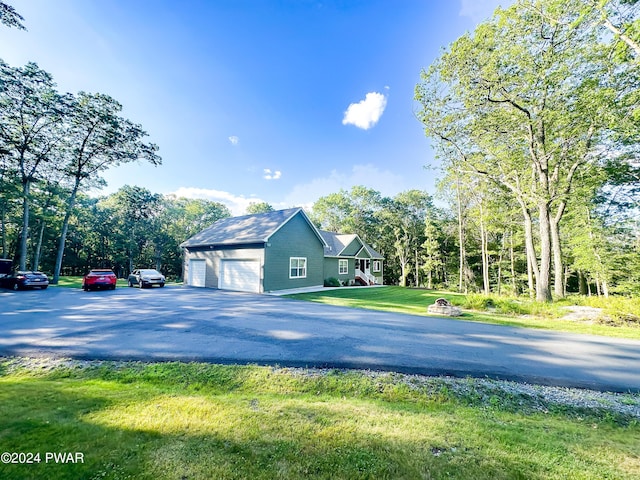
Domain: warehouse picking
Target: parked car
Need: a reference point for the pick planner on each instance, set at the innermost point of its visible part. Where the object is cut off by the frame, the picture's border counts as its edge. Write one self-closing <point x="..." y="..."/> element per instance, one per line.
<point x="146" y="277"/>
<point x="99" y="278"/>
<point x="22" y="280"/>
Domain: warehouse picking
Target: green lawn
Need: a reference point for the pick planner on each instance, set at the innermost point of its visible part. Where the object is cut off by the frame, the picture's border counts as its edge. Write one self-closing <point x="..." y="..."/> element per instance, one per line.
<point x="76" y="282"/>
<point x="199" y="421"/>
<point x="516" y="312"/>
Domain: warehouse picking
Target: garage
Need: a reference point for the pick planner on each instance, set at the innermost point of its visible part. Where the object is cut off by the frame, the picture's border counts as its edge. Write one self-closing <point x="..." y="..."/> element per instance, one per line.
<point x="197" y="272"/>
<point x="241" y="275"/>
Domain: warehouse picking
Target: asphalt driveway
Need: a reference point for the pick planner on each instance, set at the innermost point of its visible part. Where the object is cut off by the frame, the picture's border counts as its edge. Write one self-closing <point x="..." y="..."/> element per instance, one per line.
<point x="189" y="324"/>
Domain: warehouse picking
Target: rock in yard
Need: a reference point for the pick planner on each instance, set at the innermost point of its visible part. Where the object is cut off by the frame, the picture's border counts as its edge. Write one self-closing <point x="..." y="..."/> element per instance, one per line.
<point x="448" y="309"/>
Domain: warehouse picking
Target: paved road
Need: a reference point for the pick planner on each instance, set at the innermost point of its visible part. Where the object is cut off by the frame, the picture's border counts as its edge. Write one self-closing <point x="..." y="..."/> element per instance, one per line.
<point x="181" y="323"/>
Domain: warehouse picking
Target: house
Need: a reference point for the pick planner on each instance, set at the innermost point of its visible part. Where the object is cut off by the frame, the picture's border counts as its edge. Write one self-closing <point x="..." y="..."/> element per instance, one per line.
<point x="274" y="251"/>
<point x="349" y="259"/>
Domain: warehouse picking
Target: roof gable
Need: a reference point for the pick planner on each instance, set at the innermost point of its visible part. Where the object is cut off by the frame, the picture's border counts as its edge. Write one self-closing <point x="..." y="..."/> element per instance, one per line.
<point x="370" y="251"/>
<point x="247" y="229"/>
<point x="348" y="246"/>
<point x="339" y="245"/>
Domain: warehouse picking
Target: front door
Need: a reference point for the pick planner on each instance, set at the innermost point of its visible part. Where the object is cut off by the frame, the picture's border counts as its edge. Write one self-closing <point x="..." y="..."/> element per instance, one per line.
<point x="365" y="265"/>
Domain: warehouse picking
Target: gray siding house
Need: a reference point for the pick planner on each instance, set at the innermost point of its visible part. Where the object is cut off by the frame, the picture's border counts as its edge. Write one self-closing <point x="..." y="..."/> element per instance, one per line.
<point x="349" y="259"/>
<point x="274" y="251"/>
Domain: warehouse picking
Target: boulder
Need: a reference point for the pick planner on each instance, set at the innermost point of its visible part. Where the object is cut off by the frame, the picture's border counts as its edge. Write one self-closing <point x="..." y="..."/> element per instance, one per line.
<point x="442" y="306"/>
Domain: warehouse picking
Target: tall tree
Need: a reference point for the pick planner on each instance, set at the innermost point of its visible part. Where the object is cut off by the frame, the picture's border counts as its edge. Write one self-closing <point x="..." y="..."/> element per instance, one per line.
<point x="179" y="219"/>
<point x="354" y="211"/>
<point x="405" y="216"/>
<point x="522" y="102"/>
<point x="97" y="139"/>
<point x="259" y="207"/>
<point x="135" y="207"/>
<point x="10" y="18"/>
<point x="31" y="128"/>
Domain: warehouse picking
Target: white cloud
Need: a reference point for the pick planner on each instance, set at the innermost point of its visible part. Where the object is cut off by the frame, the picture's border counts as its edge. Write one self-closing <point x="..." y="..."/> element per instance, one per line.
<point x="234" y="140"/>
<point x="272" y="175"/>
<point x="383" y="181"/>
<point x="366" y="113"/>
<point x="236" y="203"/>
<point x="480" y="10"/>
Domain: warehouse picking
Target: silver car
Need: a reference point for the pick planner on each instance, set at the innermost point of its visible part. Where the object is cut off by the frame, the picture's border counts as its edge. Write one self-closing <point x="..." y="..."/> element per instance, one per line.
<point x="146" y="277"/>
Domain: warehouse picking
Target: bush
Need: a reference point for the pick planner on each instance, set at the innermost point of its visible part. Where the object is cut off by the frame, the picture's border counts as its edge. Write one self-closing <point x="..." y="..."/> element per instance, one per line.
<point x="332" y="282"/>
<point x="509" y="305"/>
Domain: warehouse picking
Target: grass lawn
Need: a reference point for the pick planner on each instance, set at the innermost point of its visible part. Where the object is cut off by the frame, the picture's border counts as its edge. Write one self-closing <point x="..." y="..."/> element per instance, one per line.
<point x="199" y="421"/>
<point x="76" y="282"/>
<point x="521" y="312"/>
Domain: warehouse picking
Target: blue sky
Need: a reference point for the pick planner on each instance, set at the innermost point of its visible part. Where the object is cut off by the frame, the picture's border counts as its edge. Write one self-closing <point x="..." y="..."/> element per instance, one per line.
<point x="277" y="101"/>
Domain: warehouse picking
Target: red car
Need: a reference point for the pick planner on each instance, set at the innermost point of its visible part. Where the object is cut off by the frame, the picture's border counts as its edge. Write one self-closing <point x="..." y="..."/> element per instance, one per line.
<point x="99" y="278"/>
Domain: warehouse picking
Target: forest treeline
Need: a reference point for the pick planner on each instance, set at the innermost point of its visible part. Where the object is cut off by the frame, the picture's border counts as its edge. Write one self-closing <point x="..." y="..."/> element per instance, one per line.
<point x="534" y="117"/>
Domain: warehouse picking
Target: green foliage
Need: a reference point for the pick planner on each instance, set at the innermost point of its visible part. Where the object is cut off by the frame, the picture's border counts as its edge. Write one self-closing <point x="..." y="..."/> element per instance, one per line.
<point x="332" y="282"/>
<point x="10" y="18"/>
<point x="259" y="207"/>
<point x="524" y="107"/>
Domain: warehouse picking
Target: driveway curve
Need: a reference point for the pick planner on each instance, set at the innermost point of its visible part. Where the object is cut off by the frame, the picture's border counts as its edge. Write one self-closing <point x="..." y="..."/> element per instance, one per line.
<point x="189" y="324"/>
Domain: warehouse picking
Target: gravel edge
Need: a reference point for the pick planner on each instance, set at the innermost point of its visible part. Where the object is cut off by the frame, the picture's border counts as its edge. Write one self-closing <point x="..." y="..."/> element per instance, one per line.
<point x="482" y="390"/>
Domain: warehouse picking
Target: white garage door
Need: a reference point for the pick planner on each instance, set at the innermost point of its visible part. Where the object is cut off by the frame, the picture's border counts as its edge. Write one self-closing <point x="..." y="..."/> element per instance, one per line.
<point x="241" y="275"/>
<point x="197" y="272"/>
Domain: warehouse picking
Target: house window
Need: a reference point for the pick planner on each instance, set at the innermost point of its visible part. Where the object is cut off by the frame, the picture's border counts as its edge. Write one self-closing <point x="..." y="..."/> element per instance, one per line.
<point x="343" y="267"/>
<point x="297" y="267"/>
<point x="376" y="265"/>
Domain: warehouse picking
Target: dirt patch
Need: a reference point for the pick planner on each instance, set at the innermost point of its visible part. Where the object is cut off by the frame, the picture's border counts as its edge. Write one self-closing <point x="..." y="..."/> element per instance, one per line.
<point x="583" y="314"/>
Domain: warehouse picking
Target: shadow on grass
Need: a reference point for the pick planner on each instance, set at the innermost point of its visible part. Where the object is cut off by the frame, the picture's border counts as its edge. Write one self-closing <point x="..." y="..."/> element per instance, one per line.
<point x="200" y="421"/>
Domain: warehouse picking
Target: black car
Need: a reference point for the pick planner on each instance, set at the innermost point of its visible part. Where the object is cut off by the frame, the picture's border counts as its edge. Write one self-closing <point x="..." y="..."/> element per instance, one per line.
<point x="23" y="280"/>
<point x="146" y="277"/>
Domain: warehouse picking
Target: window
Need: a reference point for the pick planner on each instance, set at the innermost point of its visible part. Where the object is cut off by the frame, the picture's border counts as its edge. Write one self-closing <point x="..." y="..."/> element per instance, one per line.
<point x="343" y="267"/>
<point x="297" y="267"/>
<point x="376" y="265"/>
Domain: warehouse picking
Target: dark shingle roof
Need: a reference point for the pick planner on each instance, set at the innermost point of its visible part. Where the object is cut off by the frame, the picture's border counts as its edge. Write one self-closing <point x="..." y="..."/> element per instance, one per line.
<point x="372" y="252"/>
<point x="242" y="230"/>
<point x="335" y="242"/>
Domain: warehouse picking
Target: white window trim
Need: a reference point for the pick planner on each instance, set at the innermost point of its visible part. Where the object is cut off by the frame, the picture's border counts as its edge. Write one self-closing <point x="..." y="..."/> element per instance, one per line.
<point x="298" y="268"/>
<point x="377" y="265"/>
<point x="343" y="263"/>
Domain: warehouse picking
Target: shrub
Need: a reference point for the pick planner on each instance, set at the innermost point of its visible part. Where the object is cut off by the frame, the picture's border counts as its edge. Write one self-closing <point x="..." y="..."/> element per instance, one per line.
<point x="332" y="282"/>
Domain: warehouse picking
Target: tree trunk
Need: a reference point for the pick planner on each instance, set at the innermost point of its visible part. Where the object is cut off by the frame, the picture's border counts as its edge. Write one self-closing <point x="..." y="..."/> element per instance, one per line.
<point x="63" y="234"/>
<point x="500" y="258"/>
<point x="26" y="187"/>
<point x="483" y="253"/>
<point x="158" y="263"/>
<point x="543" y="281"/>
<point x="532" y="261"/>
<point x="3" y="220"/>
<point x="558" y="267"/>
<point x="403" y="273"/>
<point x="513" y="264"/>
<point x="36" y="257"/>
<point x="582" y="283"/>
<point x="462" y="284"/>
